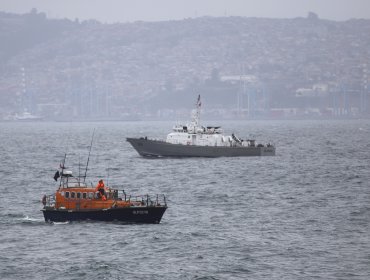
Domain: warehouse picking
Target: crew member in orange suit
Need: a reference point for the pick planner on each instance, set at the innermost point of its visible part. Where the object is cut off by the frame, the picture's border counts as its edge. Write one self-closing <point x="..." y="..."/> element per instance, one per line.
<point x="100" y="187"/>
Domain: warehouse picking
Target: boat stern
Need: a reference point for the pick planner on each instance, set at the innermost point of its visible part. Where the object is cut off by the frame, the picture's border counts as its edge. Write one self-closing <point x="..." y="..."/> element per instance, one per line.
<point x="268" y="151"/>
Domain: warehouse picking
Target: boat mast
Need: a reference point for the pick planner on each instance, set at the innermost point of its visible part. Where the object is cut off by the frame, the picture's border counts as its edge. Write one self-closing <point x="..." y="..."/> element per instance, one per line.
<point x="79" y="170"/>
<point x="108" y="176"/>
<point x="62" y="167"/>
<point x="88" y="158"/>
<point x="196" y="113"/>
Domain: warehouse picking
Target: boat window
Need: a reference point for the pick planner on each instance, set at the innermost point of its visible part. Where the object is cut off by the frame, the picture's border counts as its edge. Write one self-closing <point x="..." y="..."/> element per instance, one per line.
<point x="67" y="194"/>
<point x="73" y="194"/>
<point x="78" y="195"/>
<point x="91" y="195"/>
<point x="62" y="193"/>
<point x="84" y="195"/>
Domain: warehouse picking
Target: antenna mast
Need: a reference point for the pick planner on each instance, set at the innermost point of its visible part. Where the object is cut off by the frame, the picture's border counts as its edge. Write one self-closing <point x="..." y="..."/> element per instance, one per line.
<point x="61" y="165"/>
<point x="108" y="176"/>
<point x="79" y="170"/>
<point x="88" y="158"/>
<point x="196" y="113"/>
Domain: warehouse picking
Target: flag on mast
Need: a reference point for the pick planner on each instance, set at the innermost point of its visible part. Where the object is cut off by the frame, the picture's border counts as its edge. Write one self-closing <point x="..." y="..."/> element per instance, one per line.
<point x="56" y="176"/>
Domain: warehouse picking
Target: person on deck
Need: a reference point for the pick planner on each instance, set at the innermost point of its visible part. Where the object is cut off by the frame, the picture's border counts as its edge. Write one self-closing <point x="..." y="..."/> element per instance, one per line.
<point x="100" y="187"/>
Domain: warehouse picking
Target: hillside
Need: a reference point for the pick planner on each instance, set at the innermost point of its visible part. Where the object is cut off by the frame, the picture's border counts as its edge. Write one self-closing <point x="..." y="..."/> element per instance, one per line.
<point x="63" y="68"/>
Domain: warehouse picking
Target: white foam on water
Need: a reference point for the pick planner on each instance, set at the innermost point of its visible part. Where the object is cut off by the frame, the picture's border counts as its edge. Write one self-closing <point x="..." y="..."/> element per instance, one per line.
<point x="27" y="218"/>
<point x="60" y="223"/>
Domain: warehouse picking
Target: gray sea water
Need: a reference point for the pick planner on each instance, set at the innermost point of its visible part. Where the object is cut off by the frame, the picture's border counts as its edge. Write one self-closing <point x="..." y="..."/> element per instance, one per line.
<point x="303" y="214"/>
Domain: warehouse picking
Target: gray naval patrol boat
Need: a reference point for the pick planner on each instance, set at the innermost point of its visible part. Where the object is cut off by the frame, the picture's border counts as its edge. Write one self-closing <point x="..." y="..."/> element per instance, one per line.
<point x="194" y="140"/>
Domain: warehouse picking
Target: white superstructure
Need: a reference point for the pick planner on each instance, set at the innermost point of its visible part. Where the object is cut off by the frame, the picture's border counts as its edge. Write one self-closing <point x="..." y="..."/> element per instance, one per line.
<point x="195" y="134"/>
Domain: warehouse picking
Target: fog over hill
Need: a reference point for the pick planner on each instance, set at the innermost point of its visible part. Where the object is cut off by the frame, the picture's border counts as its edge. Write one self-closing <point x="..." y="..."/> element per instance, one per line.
<point x="242" y="67"/>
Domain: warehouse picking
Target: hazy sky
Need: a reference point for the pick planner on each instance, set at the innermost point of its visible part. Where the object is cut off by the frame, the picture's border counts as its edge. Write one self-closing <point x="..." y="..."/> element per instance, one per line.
<point x="155" y="10"/>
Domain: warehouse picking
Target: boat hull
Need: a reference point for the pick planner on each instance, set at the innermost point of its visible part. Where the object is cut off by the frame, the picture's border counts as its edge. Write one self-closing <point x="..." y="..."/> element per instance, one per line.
<point x="148" y="215"/>
<point x="155" y="148"/>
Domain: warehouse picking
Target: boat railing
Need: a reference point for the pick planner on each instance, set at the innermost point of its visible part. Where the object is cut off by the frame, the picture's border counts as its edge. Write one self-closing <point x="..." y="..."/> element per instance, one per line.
<point x="72" y="182"/>
<point x="152" y="139"/>
<point x="146" y="200"/>
<point x="139" y="200"/>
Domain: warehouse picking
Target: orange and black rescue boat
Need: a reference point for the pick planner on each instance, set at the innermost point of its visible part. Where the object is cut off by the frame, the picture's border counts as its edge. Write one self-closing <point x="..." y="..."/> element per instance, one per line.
<point x="76" y="201"/>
